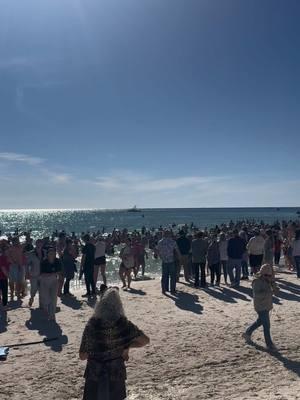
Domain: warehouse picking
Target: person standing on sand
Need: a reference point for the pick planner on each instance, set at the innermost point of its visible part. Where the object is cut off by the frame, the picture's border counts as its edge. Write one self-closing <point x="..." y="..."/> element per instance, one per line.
<point x="213" y="261"/>
<point x="277" y="248"/>
<point x="184" y="246"/>
<point x="296" y="252"/>
<point x="100" y="259"/>
<point x="223" y="244"/>
<point x="235" y="250"/>
<point x="199" y="253"/>
<point x="33" y="271"/>
<point x="16" y="259"/>
<point x="264" y="287"/>
<point x="127" y="264"/>
<point x="50" y="270"/>
<point x="167" y="250"/>
<point x="69" y="266"/>
<point x="4" y="271"/>
<point x="269" y="248"/>
<point x="105" y="345"/>
<point x="87" y="266"/>
<point x="255" y="249"/>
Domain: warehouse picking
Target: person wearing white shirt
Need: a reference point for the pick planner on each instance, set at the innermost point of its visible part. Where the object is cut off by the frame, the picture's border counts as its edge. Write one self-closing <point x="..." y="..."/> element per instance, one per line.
<point x="255" y="249"/>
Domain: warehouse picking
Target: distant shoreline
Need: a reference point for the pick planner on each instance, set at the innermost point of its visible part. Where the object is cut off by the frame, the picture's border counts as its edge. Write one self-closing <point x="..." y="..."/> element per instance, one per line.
<point x="147" y="209"/>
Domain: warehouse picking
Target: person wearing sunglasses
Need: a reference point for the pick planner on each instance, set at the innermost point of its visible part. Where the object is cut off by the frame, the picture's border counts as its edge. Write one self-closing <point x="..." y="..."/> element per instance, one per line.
<point x="264" y="287"/>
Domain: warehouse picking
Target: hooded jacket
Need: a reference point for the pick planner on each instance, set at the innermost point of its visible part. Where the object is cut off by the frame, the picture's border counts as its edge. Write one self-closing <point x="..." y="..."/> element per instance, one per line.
<point x="263" y="293"/>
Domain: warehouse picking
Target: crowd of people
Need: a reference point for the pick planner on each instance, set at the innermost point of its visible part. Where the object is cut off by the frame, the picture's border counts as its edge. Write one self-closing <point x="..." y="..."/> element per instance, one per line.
<point x="234" y="251"/>
<point x="50" y="263"/>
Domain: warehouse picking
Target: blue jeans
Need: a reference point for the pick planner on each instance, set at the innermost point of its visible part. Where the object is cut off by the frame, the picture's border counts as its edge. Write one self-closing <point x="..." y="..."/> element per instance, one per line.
<point x="297" y="264"/>
<point x="224" y="265"/>
<point x="264" y="320"/>
<point x="168" y="278"/>
<point x="245" y="270"/>
<point x="234" y="263"/>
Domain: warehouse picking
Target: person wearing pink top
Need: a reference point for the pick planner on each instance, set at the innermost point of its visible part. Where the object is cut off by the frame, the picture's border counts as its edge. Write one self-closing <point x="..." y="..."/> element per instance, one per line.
<point x="16" y="259"/>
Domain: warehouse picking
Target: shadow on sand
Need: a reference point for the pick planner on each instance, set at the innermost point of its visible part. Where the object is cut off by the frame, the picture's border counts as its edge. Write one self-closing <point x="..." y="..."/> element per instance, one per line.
<point x="220" y="295"/>
<point x="47" y="329"/>
<point x="293" y="366"/>
<point x="72" y="302"/>
<point x="136" y="291"/>
<point x="186" y="301"/>
<point x="13" y="305"/>
<point x="141" y="278"/>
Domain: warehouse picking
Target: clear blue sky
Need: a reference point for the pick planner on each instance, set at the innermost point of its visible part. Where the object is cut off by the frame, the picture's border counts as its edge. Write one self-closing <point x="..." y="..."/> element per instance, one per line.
<point x="159" y="103"/>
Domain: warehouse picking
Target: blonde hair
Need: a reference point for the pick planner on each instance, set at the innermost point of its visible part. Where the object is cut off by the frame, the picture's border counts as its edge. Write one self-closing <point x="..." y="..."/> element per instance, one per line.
<point x="109" y="308"/>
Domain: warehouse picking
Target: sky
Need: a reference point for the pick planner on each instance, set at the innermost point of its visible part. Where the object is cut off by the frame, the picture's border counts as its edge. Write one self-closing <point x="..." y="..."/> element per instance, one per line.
<point x="159" y="103"/>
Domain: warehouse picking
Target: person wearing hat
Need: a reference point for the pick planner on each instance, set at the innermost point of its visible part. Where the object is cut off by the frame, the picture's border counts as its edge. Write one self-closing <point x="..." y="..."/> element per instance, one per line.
<point x="264" y="287"/>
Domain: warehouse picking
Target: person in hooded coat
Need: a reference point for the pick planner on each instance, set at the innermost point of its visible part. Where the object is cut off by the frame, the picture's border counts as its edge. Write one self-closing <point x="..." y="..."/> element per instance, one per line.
<point x="105" y="345"/>
<point x="264" y="287"/>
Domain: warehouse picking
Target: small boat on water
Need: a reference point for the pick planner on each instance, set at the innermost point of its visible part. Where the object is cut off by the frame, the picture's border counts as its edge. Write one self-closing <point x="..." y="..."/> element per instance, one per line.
<point x="134" y="209"/>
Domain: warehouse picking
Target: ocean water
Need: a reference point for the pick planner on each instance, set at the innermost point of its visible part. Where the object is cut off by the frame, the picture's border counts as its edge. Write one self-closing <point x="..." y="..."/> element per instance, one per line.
<point x="42" y="222"/>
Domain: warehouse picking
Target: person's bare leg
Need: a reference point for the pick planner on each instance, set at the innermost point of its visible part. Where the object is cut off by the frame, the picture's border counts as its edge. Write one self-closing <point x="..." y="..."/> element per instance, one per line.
<point x="19" y="290"/>
<point x="102" y="271"/>
<point x="122" y="276"/>
<point x="136" y="270"/>
<point x="12" y="290"/>
<point x="128" y="273"/>
<point x="61" y="280"/>
<point x="96" y="273"/>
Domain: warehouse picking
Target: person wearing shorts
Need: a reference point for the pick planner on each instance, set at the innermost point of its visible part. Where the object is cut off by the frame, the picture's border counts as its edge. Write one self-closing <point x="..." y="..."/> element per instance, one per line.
<point x="100" y="260"/>
<point x="16" y="276"/>
<point x="127" y="264"/>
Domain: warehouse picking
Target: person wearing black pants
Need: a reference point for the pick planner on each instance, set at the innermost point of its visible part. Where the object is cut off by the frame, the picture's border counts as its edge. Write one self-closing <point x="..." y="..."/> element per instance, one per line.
<point x="199" y="253"/>
<point x="87" y="266"/>
<point x="197" y="267"/>
<point x="4" y="268"/>
<point x="213" y="261"/>
<point x="4" y="291"/>
<point x="89" y="280"/>
<point x="215" y="272"/>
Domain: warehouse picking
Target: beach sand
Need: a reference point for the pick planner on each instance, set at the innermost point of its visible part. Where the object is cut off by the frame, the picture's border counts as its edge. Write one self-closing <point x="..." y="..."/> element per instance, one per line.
<point x="196" y="349"/>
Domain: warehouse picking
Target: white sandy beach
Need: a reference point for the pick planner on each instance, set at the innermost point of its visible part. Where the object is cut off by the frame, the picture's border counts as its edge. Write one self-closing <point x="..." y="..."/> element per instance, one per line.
<point x="196" y="349"/>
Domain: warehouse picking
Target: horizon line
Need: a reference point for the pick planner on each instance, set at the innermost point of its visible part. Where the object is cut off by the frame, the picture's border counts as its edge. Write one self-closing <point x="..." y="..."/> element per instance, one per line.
<point x="141" y="209"/>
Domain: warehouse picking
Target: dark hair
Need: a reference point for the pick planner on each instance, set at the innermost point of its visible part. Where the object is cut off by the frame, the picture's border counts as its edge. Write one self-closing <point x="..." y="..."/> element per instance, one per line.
<point x="297" y="234"/>
<point x="86" y="237"/>
<point x="51" y="249"/>
<point x="199" y="235"/>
